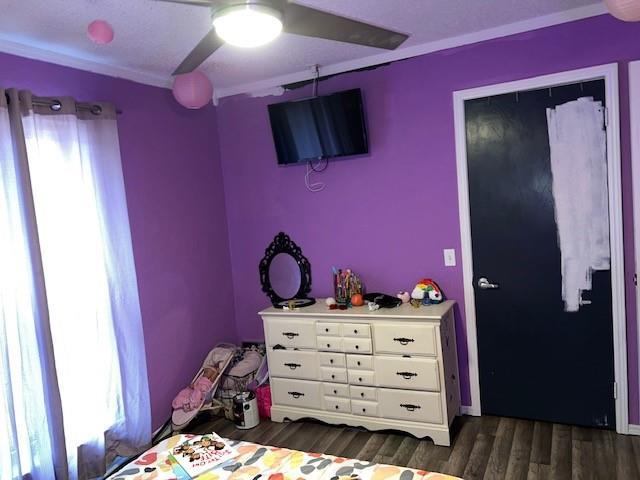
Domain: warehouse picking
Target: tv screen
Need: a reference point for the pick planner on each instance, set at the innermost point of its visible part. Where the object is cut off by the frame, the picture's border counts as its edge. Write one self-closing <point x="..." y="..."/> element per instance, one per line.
<point x="319" y="127"/>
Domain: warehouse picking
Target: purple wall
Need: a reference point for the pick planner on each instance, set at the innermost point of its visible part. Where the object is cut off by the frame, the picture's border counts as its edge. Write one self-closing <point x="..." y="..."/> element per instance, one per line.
<point x="176" y="209"/>
<point x="390" y="214"/>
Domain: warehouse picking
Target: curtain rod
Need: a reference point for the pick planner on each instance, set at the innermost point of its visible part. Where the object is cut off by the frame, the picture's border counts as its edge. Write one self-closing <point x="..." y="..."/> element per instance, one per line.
<point x="55" y="105"/>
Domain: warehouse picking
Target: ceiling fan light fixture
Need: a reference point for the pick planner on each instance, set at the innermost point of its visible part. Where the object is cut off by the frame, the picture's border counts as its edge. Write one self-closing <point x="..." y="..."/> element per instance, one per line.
<point x="248" y="25"/>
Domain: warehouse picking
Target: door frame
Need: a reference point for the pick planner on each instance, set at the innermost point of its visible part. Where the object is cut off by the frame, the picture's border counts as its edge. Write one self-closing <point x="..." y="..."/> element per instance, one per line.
<point x="609" y="73"/>
<point x="634" y="112"/>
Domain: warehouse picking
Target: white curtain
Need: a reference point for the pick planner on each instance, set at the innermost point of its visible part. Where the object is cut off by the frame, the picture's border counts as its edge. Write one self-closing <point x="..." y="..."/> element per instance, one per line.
<point x="91" y="289"/>
<point x="24" y="432"/>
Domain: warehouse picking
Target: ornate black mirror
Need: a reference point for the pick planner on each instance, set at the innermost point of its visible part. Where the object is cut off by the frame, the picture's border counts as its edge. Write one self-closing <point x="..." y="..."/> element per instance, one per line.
<point x="285" y="273"/>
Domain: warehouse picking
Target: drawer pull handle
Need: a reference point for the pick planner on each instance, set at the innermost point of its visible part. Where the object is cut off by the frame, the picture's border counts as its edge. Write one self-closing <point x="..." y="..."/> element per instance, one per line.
<point x="407" y="375"/>
<point x="357" y="347"/>
<point x="410" y="407"/>
<point x="337" y="407"/>
<point x="333" y="376"/>
<point x="403" y="340"/>
<point x="296" y="394"/>
<point x="362" y="394"/>
<point x="335" y="392"/>
<point x="358" y="362"/>
<point x="355" y="331"/>
<point x="292" y="366"/>
<point x="290" y="335"/>
<point x="364" y="410"/>
<point x="326" y="330"/>
<point x="331" y="360"/>
<point x="328" y="345"/>
<point x="359" y="379"/>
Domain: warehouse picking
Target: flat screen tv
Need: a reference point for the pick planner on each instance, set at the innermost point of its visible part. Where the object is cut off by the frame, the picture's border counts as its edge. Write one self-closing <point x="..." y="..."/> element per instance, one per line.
<point x="320" y="127"/>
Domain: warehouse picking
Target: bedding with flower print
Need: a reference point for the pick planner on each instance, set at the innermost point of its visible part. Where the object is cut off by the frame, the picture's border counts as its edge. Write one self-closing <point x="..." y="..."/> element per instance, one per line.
<point x="259" y="462"/>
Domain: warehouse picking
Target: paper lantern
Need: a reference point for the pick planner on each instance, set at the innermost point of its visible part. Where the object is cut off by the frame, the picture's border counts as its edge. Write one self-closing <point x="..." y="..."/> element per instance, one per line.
<point x="626" y="10"/>
<point x="192" y="90"/>
<point x="100" y="32"/>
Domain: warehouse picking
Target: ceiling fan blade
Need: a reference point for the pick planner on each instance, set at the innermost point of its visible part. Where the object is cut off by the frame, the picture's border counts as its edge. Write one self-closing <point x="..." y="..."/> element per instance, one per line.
<point x="310" y="22"/>
<point x="209" y="44"/>
<point x="201" y="3"/>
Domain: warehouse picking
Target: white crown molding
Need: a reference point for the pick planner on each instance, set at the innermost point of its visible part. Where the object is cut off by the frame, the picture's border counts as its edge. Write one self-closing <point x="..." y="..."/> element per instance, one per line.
<point x="42" y="54"/>
<point x="416" y="50"/>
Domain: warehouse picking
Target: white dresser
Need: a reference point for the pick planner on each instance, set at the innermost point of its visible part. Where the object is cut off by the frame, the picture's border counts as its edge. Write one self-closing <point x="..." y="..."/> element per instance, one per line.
<point x="387" y="369"/>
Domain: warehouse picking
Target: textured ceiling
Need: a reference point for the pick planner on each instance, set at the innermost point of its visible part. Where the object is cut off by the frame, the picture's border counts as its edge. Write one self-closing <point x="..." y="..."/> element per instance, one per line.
<point x="153" y="37"/>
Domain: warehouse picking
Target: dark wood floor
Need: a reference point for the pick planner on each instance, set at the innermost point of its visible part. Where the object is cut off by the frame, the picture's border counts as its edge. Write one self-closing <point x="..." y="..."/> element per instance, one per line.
<point x="484" y="447"/>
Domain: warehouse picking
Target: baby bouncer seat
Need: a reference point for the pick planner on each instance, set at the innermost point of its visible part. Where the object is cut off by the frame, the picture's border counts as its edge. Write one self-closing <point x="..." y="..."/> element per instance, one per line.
<point x="198" y="396"/>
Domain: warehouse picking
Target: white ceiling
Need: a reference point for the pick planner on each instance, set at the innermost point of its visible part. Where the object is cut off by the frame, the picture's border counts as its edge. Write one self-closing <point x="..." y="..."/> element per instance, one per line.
<point x="151" y="37"/>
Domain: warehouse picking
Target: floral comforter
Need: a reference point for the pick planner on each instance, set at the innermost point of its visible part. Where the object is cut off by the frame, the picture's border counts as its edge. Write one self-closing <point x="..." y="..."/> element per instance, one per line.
<point x="258" y="462"/>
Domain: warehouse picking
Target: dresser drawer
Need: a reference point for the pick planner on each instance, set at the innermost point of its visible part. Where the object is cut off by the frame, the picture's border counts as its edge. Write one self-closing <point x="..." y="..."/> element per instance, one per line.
<point x="363" y="393"/>
<point x="407" y="405"/>
<point x="328" y="329"/>
<point x="337" y="404"/>
<point x="299" y="333"/>
<point x="360" y="362"/>
<point x="356" y="345"/>
<point x="414" y="373"/>
<point x="332" y="374"/>
<point x="330" y="359"/>
<point x="331" y="344"/>
<point x="361" y="377"/>
<point x="359" y="330"/>
<point x="335" y="389"/>
<point x="296" y="393"/>
<point x="293" y="364"/>
<point x="362" y="407"/>
<point x="405" y="338"/>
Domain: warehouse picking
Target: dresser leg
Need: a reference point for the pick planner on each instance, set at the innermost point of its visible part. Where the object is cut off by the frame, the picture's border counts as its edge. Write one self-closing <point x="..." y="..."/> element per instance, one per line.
<point x="442" y="439"/>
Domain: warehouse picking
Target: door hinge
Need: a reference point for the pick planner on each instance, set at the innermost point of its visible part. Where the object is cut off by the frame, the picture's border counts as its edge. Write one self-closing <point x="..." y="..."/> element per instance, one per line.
<point x="635" y="279"/>
<point x="606" y="117"/>
<point x="615" y="390"/>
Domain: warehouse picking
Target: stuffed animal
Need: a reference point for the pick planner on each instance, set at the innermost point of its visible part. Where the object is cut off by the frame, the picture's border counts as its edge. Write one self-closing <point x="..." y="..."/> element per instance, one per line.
<point x="426" y="292"/>
<point x="404" y="296"/>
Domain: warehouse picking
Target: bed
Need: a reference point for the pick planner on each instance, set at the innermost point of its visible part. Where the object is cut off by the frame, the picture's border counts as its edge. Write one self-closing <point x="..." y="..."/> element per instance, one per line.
<point x="256" y="461"/>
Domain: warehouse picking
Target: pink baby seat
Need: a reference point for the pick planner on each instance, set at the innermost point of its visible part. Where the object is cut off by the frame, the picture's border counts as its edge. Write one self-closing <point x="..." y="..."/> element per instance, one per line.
<point x="199" y="394"/>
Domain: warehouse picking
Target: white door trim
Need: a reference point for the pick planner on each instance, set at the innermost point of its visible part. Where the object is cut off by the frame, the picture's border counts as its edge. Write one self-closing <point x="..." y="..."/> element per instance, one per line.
<point x="634" y="109"/>
<point x="609" y="73"/>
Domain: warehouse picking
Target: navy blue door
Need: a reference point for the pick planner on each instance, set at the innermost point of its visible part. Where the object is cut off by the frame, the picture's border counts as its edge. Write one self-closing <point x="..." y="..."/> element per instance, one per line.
<point x="536" y="361"/>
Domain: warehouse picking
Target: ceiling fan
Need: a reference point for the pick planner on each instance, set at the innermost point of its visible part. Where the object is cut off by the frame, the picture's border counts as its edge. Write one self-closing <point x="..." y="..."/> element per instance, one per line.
<point x="251" y="23"/>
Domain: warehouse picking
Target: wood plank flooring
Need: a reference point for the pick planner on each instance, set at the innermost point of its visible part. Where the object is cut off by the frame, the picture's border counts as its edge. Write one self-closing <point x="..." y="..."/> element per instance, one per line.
<point x="483" y="447"/>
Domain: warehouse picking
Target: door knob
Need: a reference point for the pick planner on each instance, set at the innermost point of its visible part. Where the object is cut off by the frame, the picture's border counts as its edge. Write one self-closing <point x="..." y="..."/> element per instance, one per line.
<point x="484" y="284"/>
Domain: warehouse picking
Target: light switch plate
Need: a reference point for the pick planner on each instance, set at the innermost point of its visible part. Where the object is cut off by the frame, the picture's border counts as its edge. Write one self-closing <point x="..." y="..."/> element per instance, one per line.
<point x="449" y="257"/>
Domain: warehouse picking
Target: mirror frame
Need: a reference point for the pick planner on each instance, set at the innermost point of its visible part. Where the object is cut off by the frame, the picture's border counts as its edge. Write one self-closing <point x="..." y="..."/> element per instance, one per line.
<point x="283" y="244"/>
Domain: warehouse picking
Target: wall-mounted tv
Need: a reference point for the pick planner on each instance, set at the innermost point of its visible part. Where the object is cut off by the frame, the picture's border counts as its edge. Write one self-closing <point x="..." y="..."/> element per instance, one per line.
<point x="320" y="127"/>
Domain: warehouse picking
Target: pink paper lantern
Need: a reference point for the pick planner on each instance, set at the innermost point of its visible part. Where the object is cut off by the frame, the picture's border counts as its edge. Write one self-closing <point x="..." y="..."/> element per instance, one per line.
<point x="192" y="90"/>
<point x="626" y="10"/>
<point x="100" y="32"/>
